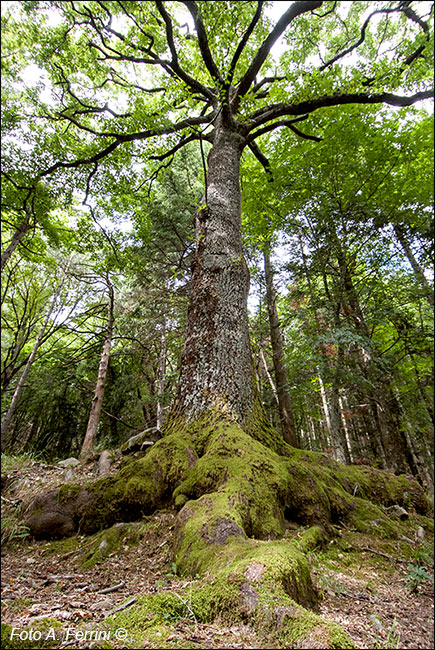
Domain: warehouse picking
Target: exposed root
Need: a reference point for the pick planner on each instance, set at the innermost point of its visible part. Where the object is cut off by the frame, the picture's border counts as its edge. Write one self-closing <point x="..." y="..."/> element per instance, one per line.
<point x="237" y="499"/>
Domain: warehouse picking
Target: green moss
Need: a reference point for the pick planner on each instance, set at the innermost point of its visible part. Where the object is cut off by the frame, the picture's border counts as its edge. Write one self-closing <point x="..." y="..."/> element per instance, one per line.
<point x="67" y="492"/>
<point x="274" y="615"/>
<point x="105" y="543"/>
<point x="140" y="487"/>
<point x="369" y="518"/>
<point x="314" y="537"/>
<point x="61" y="546"/>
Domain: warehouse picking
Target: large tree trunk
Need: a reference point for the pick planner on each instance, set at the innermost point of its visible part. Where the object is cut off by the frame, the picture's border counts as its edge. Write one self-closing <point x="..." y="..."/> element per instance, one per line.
<point x="288" y="426"/>
<point x="216" y="368"/>
<point x="97" y="402"/>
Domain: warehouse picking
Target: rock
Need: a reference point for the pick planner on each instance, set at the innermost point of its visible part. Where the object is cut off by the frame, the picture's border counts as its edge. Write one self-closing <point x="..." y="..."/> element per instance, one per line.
<point x="141" y="441"/>
<point x="52" y="514"/>
<point x="399" y="512"/>
<point x="419" y="534"/>
<point x="68" y="474"/>
<point x="101" y="604"/>
<point x="69" y="462"/>
<point x="105" y="462"/>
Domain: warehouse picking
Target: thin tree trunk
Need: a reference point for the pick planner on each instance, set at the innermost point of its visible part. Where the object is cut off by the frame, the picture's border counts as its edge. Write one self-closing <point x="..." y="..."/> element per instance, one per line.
<point x="418" y="271"/>
<point x="17" y="237"/>
<point x="425" y="470"/>
<point x="269" y="376"/>
<point x="161" y="378"/>
<point x="97" y="402"/>
<point x="346" y="431"/>
<point x="22" y="380"/>
<point x="288" y="426"/>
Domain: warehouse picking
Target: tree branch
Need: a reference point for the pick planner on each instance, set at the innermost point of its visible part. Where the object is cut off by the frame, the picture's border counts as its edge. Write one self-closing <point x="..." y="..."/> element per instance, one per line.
<point x="277" y="110"/>
<point x="409" y="13"/>
<point x="306" y="136"/>
<point x="264" y="162"/>
<point x="203" y="42"/>
<point x="130" y="137"/>
<point x="361" y="39"/>
<point x="177" y="147"/>
<point x="242" y="43"/>
<point x="296" y="9"/>
<point x="275" y="125"/>
<point x="190" y="81"/>
<point x="267" y="80"/>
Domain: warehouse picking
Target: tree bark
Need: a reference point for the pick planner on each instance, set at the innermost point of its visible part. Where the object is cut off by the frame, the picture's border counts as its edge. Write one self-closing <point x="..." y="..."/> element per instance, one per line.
<point x="288" y="426"/>
<point x="216" y="367"/>
<point x="17" y="237"/>
<point x="161" y="377"/>
<point x="97" y="402"/>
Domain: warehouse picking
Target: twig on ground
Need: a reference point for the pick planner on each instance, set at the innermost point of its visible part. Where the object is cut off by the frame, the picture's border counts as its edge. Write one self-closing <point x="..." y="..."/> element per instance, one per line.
<point x="109" y="590"/>
<point x="389" y="557"/>
<point x="121" y="607"/>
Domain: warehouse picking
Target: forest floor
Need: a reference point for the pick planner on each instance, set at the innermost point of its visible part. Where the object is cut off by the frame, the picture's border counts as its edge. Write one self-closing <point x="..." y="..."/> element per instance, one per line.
<point x="363" y="581"/>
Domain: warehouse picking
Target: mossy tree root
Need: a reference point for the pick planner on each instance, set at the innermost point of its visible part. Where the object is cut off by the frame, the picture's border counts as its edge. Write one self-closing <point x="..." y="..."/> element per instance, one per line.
<point x="236" y="498"/>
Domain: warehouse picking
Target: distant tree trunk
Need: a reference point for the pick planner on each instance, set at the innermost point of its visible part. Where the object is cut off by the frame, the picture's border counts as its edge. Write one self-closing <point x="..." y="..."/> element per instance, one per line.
<point x="418" y="271"/>
<point x="161" y="377"/>
<point x="17" y="237"/>
<point x="388" y="434"/>
<point x="288" y="426"/>
<point x="269" y="376"/>
<point x="331" y="406"/>
<point x="97" y="402"/>
<point x="22" y="380"/>
<point x="424" y="469"/>
<point x="337" y="428"/>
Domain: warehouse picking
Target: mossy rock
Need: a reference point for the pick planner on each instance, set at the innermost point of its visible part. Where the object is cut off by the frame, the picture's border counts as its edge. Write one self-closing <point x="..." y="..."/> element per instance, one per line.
<point x="276" y="618"/>
<point x="110" y="541"/>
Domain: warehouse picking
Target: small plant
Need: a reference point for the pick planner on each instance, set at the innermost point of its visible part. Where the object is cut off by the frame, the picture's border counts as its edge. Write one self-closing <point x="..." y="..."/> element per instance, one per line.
<point x="391" y="638"/>
<point x="422" y="556"/>
<point x="416" y="576"/>
<point x="12" y="528"/>
<point x="173" y="572"/>
<point x="18" y="462"/>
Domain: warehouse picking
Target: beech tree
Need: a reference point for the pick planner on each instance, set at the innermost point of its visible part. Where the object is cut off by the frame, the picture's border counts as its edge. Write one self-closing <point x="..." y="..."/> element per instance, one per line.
<point x="130" y="81"/>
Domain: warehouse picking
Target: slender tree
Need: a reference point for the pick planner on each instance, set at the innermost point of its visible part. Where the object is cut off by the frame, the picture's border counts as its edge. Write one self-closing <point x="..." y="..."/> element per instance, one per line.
<point x="97" y="401"/>
<point x="288" y="425"/>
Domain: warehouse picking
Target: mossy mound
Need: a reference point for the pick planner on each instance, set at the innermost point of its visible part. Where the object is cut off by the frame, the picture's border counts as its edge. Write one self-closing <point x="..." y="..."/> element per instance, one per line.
<point x="260" y="488"/>
<point x="228" y="600"/>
